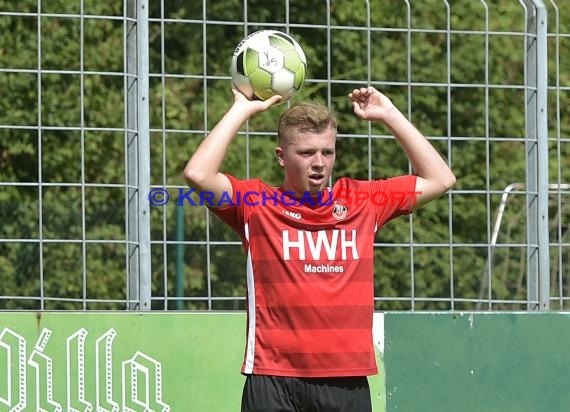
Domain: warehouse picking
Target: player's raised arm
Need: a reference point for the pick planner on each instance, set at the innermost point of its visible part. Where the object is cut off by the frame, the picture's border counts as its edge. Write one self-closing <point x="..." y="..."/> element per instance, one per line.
<point x="202" y="171"/>
<point x="434" y="175"/>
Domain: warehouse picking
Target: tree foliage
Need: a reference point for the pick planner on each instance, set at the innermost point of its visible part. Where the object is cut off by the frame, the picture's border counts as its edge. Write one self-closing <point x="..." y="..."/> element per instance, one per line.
<point x="64" y="111"/>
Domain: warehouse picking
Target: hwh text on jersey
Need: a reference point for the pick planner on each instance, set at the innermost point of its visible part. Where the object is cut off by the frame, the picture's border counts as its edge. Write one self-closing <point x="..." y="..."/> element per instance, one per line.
<point x="328" y="241"/>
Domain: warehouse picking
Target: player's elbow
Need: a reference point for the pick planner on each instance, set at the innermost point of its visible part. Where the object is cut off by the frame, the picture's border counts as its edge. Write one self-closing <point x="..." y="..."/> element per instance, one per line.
<point x="448" y="181"/>
<point x="443" y="183"/>
<point x="194" y="176"/>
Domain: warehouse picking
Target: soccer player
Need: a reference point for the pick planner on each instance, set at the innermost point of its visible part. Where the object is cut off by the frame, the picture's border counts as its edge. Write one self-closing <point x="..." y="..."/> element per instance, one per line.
<point x="309" y="247"/>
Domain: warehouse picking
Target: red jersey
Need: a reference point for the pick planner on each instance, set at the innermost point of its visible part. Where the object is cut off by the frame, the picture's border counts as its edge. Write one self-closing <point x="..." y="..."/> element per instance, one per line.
<point x="310" y="273"/>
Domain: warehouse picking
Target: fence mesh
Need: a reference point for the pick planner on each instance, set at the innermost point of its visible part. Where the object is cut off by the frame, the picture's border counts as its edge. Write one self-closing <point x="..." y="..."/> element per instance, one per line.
<point x="105" y="102"/>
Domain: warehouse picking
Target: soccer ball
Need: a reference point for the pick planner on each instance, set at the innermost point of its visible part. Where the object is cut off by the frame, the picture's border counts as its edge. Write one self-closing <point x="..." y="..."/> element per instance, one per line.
<point x="266" y="63"/>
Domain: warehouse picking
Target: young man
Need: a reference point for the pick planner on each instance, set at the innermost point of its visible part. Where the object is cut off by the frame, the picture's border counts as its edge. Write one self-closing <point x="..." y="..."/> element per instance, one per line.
<point x="310" y="272"/>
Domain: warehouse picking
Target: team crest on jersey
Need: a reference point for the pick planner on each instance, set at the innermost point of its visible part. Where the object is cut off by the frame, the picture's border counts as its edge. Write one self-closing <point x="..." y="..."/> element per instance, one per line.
<point x="340" y="211"/>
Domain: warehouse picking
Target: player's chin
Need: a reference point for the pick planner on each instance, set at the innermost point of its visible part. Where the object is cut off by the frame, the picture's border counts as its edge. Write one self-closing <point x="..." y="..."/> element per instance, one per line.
<point x="315" y="187"/>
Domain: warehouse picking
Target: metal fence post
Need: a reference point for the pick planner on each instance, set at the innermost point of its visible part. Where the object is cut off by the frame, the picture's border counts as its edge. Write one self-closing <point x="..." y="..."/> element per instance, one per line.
<point x="536" y="86"/>
<point x="138" y="153"/>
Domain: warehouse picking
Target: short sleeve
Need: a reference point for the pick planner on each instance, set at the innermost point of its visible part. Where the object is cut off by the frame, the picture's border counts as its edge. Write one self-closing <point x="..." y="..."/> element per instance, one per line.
<point x="393" y="197"/>
<point x="234" y="213"/>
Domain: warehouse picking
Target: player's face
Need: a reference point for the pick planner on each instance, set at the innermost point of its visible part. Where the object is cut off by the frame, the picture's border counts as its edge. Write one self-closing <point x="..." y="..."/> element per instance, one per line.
<point x="308" y="160"/>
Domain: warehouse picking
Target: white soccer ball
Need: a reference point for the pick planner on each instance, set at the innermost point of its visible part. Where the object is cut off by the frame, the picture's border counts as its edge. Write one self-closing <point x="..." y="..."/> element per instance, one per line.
<point x="266" y="63"/>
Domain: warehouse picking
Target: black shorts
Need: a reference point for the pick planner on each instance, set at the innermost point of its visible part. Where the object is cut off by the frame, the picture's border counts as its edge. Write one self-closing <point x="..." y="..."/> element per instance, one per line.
<point x="262" y="393"/>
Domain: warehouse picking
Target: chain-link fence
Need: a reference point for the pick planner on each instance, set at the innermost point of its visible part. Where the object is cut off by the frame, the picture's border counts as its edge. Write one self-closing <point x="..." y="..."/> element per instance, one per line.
<point x="105" y="102"/>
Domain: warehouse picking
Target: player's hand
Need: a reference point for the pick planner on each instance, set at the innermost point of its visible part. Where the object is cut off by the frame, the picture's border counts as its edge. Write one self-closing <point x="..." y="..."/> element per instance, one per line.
<point x="252" y="107"/>
<point x="369" y="104"/>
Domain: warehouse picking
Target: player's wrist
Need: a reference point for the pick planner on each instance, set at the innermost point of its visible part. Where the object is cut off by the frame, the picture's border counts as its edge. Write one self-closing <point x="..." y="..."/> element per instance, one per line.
<point x="392" y="116"/>
<point x="241" y="111"/>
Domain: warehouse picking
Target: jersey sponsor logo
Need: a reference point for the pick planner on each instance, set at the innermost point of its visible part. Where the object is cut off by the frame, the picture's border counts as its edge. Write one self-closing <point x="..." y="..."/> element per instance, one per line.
<point x="309" y="268"/>
<point x="320" y="245"/>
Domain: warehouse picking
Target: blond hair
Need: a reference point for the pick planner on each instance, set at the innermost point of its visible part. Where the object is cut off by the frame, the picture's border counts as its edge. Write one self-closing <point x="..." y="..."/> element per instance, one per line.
<point x="304" y="118"/>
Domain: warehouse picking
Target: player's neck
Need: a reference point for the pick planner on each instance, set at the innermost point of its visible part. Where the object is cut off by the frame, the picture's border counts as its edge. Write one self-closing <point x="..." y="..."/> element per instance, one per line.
<point x="297" y="194"/>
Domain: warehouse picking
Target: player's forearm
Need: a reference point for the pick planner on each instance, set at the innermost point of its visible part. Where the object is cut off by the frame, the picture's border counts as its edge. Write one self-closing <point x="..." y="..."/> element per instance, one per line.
<point x="206" y="161"/>
<point x="425" y="159"/>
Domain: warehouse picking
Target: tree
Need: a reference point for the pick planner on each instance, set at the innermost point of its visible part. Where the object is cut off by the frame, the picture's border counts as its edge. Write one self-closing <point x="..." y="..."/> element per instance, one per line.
<point x="64" y="125"/>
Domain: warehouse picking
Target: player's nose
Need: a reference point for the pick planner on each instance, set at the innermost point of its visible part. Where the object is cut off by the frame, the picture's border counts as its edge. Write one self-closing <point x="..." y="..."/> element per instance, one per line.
<point x="318" y="160"/>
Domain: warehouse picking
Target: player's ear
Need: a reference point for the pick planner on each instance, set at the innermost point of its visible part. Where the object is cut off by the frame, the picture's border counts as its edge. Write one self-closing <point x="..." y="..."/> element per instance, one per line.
<point x="279" y="153"/>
